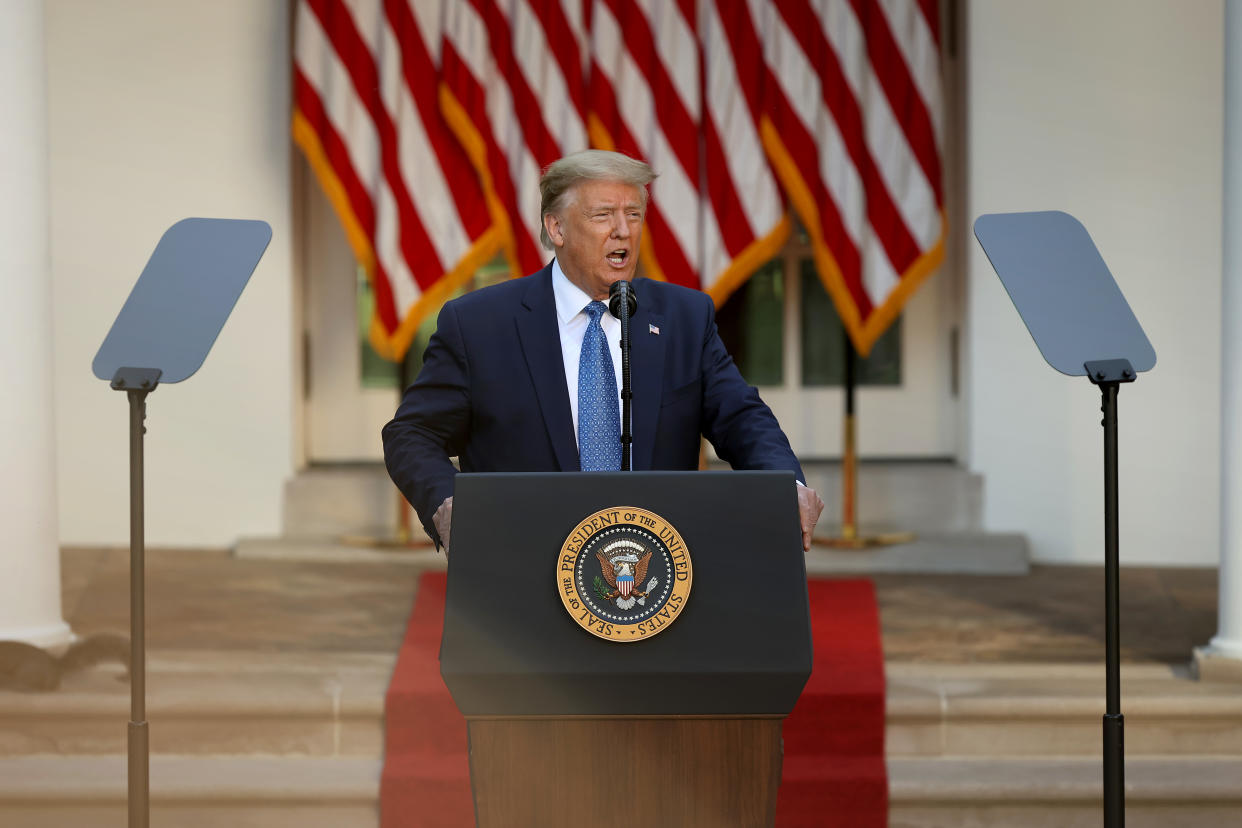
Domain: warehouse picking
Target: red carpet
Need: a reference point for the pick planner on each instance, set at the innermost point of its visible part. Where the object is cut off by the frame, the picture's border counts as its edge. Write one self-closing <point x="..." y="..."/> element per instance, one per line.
<point x="834" y="772"/>
<point x="834" y="739"/>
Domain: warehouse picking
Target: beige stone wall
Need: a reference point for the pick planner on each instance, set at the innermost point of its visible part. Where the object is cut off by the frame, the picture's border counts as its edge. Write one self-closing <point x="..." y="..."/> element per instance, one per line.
<point x="159" y="111"/>
<point x="1112" y="111"/>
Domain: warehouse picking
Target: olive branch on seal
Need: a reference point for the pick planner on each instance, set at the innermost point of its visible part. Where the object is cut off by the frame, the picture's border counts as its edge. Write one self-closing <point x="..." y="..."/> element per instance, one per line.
<point x="601" y="589"/>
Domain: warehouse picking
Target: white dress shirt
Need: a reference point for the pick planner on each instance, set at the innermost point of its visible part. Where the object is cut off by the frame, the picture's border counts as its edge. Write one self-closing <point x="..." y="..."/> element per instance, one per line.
<point x="572" y="321"/>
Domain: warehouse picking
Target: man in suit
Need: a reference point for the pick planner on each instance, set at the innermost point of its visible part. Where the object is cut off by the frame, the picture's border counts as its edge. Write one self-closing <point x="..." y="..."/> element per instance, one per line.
<point x="524" y="375"/>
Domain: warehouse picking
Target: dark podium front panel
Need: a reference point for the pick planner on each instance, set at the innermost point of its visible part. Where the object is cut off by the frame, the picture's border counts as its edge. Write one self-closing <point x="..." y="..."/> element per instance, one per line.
<point x="741" y="646"/>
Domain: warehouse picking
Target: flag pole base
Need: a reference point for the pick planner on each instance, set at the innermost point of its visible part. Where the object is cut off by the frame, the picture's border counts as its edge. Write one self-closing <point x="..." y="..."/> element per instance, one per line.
<point x="403" y="538"/>
<point x="865" y="541"/>
<point x="387" y="542"/>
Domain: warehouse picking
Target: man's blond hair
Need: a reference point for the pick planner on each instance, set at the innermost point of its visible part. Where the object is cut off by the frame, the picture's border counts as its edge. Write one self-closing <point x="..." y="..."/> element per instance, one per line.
<point x="557" y="184"/>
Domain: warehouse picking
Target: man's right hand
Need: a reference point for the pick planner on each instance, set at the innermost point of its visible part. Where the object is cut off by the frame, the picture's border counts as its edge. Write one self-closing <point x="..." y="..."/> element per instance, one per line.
<point x="443" y="519"/>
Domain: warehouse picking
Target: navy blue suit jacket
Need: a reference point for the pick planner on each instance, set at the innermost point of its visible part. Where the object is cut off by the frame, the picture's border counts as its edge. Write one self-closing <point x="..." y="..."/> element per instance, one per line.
<point x="492" y="393"/>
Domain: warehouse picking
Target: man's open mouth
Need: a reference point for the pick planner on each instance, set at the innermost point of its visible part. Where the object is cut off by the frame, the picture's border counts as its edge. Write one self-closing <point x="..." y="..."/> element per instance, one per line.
<point x="618" y="257"/>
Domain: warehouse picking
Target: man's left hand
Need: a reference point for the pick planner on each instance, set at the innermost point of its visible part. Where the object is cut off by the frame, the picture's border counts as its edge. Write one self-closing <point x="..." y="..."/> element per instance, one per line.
<point x="809" y="506"/>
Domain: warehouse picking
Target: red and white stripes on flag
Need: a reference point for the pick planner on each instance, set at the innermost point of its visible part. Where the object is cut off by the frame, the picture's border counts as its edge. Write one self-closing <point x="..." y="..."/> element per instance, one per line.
<point x="850" y="118"/>
<point x="429" y="122"/>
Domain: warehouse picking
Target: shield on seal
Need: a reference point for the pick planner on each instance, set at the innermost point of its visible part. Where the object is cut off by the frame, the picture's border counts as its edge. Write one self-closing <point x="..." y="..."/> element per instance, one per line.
<point x="625" y="583"/>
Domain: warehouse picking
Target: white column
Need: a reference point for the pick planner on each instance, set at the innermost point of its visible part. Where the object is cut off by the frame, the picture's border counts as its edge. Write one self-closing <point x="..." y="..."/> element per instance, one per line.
<point x="29" y="553"/>
<point x="1228" y="640"/>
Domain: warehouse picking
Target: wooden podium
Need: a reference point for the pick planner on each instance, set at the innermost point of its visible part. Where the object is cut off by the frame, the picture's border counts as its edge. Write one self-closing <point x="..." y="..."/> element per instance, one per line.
<point x="680" y="728"/>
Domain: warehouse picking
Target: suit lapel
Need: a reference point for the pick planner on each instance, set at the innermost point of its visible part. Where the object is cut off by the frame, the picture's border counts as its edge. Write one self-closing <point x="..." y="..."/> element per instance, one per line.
<point x="646" y="378"/>
<point x="539" y="334"/>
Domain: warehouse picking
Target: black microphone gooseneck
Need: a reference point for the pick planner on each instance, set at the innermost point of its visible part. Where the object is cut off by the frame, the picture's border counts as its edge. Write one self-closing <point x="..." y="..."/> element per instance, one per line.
<point x="622" y="303"/>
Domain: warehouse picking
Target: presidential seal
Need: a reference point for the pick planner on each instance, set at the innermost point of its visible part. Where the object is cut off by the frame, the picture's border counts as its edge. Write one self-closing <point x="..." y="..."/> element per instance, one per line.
<point x="624" y="574"/>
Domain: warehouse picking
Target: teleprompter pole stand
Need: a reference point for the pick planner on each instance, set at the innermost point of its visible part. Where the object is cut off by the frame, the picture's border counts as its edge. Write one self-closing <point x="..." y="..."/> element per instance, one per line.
<point x="169" y="322"/>
<point x="1076" y="313"/>
<point x="137" y="383"/>
<point x="1108" y="375"/>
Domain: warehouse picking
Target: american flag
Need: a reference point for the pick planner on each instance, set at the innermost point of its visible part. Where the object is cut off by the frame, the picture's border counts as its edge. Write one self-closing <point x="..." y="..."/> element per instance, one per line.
<point x="428" y="123"/>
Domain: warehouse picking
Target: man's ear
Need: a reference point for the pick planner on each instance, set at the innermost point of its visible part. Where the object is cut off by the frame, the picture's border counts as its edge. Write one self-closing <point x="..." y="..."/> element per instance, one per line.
<point x="552" y="223"/>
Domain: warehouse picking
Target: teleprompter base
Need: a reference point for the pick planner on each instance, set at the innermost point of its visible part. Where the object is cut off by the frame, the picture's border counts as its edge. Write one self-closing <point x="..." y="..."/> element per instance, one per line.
<point x="625" y="771"/>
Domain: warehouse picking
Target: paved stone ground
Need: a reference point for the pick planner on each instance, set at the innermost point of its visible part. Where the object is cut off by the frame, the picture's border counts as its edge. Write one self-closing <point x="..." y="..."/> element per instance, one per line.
<point x="1054" y="614"/>
<point x="211" y="601"/>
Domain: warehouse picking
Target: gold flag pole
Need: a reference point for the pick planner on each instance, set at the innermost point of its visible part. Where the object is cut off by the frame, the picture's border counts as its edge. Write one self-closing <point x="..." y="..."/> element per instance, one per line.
<point x="849" y="537"/>
<point x="849" y="474"/>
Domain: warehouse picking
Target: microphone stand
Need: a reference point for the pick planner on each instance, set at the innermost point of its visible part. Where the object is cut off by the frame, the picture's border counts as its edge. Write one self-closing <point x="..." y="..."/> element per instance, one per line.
<point x="622" y="303"/>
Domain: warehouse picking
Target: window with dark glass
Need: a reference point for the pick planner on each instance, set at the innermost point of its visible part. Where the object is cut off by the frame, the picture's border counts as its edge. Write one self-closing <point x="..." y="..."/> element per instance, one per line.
<point x="378" y="372"/>
<point x="752" y="326"/>
<point x="823" y="341"/>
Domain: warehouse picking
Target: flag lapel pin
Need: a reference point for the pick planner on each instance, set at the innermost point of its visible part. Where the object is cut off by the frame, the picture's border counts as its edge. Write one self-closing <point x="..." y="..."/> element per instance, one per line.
<point x="653" y="329"/>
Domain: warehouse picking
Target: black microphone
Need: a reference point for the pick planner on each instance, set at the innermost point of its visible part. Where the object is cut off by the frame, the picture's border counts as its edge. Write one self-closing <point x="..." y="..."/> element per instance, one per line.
<point x="622" y="303"/>
<point x="616" y="292"/>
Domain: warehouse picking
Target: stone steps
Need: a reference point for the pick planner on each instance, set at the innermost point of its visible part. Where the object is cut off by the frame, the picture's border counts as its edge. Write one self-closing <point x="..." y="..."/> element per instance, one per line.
<point x="1020" y="745"/>
<point x="928" y="553"/>
<point x="1062" y="792"/>
<point x="214" y="703"/>
<point x="1055" y="710"/>
<point x="272" y="739"/>
<point x="237" y="739"/>
<point x="192" y="791"/>
<point x="281" y="705"/>
<point x="275" y="792"/>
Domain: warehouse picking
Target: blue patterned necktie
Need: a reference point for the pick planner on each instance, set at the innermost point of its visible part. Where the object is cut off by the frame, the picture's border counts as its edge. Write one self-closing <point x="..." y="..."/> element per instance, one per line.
<point x="599" y="416"/>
